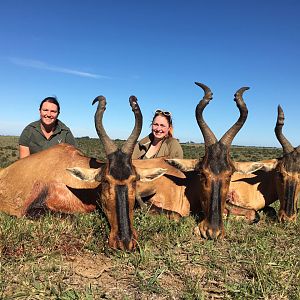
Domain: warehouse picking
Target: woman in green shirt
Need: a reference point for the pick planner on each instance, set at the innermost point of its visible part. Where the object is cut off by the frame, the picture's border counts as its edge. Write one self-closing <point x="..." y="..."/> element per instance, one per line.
<point x="46" y="132"/>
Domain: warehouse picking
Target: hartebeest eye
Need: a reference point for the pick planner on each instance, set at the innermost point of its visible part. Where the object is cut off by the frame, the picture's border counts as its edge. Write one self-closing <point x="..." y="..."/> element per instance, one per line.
<point x="204" y="177"/>
<point x="106" y="181"/>
<point x="227" y="176"/>
<point x="280" y="176"/>
<point x="227" y="179"/>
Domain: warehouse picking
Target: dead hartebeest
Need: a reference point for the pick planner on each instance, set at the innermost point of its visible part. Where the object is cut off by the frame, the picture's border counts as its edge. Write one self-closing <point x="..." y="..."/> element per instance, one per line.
<point x="215" y="169"/>
<point x="43" y="181"/>
<point x="276" y="179"/>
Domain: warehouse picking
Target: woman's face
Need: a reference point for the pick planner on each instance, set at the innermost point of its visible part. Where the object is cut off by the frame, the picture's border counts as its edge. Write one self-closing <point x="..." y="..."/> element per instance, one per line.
<point x="160" y="127"/>
<point x="48" y="113"/>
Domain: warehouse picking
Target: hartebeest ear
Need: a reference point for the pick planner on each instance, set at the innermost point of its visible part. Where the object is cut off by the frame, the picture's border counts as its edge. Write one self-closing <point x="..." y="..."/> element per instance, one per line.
<point x="85" y="174"/>
<point x="183" y="165"/>
<point x="252" y="166"/>
<point x="149" y="174"/>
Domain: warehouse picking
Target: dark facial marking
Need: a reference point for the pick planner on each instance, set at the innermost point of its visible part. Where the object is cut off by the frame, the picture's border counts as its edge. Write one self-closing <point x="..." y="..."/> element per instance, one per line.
<point x="120" y="166"/>
<point x="291" y="162"/>
<point x="217" y="158"/>
<point x="215" y="217"/>
<point x="122" y="207"/>
<point x="289" y="196"/>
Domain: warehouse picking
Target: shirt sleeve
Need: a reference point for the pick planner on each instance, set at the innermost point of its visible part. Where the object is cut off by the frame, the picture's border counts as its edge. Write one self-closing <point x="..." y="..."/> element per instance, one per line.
<point x="136" y="152"/>
<point x="175" y="149"/>
<point x="70" y="138"/>
<point x="24" y="138"/>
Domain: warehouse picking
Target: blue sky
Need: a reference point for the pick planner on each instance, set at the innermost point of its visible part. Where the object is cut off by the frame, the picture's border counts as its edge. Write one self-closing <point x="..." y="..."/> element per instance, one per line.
<point x="155" y="50"/>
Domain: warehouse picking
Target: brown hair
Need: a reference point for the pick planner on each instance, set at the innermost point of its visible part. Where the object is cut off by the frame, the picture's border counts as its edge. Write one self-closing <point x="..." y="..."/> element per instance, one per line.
<point x="51" y="100"/>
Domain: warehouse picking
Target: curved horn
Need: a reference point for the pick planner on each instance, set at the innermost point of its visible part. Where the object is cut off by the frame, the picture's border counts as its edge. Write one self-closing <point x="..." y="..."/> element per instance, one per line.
<point x="286" y="146"/>
<point x="209" y="137"/>
<point x="109" y="145"/>
<point x="130" y="143"/>
<point x="231" y="133"/>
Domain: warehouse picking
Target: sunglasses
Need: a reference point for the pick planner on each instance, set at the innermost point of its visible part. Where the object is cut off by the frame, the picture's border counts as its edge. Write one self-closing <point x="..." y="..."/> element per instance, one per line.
<point x="165" y="113"/>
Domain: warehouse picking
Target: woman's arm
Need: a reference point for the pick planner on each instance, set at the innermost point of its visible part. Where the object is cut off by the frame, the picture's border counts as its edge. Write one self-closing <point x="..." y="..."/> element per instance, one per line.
<point x="23" y="151"/>
<point x="175" y="149"/>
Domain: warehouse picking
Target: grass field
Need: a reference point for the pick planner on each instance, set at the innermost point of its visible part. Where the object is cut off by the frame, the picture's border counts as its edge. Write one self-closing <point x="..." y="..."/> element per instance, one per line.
<point x="67" y="257"/>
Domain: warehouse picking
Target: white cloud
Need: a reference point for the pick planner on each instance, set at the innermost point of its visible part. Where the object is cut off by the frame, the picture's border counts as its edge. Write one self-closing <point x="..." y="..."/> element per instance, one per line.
<point x="44" y="66"/>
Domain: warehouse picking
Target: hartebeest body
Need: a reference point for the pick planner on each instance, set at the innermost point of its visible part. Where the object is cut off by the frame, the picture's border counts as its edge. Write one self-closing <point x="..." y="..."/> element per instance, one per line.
<point x="43" y="181"/>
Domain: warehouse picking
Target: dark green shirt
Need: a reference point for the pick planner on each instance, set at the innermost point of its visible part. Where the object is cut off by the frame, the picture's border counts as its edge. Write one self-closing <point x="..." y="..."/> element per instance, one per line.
<point x="33" y="137"/>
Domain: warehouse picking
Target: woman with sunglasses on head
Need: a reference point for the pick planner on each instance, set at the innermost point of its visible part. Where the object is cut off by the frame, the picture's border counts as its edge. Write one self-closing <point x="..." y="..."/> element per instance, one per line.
<point x="160" y="142"/>
<point x="46" y="132"/>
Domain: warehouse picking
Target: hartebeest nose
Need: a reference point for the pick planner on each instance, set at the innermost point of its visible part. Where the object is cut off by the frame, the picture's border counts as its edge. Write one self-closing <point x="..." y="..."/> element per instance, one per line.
<point x="283" y="217"/>
<point x="208" y="232"/>
<point x="128" y="244"/>
<point x="214" y="234"/>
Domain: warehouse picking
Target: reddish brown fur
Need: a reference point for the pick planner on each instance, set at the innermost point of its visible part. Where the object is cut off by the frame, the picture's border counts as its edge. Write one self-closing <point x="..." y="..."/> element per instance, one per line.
<point x="22" y="182"/>
<point x="282" y="186"/>
<point x="41" y="182"/>
<point x="248" y="193"/>
<point x="262" y="188"/>
<point x="253" y="191"/>
<point x="171" y="192"/>
<point x="108" y="204"/>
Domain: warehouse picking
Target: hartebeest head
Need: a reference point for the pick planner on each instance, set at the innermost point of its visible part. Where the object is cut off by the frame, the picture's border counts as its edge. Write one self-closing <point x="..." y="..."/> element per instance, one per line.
<point x="287" y="174"/>
<point x="118" y="179"/>
<point x="216" y="167"/>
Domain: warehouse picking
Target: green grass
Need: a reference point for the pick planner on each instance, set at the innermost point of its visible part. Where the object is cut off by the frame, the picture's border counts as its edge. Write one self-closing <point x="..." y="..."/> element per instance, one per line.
<point x="9" y="150"/>
<point x="67" y="257"/>
<point x="59" y="257"/>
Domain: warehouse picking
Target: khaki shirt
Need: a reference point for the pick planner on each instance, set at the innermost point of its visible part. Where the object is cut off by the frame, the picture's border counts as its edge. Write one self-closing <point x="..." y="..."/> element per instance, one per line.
<point x="33" y="137"/>
<point x="169" y="148"/>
